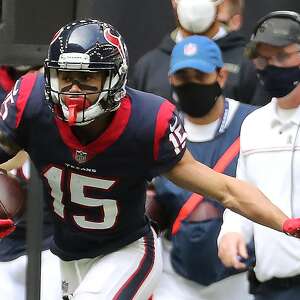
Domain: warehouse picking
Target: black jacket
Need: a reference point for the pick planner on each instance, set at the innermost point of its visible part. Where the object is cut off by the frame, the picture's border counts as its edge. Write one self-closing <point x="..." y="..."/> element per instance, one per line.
<point x="151" y="71"/>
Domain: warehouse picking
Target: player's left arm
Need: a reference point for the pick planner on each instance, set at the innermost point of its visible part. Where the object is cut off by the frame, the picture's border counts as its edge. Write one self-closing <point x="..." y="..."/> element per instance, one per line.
<point x="12" y="115"/>
<point x="237" y="195"/>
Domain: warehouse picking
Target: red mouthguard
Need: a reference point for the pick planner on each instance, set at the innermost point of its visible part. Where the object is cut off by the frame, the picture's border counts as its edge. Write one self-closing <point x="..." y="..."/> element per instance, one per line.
<point x="75" y="105"/>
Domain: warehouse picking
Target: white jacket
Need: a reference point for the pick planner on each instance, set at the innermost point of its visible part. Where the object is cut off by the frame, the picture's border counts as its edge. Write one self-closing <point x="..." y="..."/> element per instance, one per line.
<point x="270" y="159"/>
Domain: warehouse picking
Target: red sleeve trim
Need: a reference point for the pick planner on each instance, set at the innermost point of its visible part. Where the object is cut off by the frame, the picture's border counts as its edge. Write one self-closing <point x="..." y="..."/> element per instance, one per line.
<point x="6" y="82"/>
<point x="25" y="90"/>
<point x="164" y="115"/>
<point x="193" y="201"/>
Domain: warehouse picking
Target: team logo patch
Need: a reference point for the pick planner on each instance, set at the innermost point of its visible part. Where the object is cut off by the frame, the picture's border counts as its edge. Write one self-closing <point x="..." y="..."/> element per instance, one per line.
<point x="80" y="156"/>
<point x="190" y="49"/>
<point x="115" y="41"/>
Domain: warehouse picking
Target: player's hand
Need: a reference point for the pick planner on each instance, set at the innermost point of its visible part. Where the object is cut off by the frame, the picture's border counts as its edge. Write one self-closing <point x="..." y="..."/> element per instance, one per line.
<point x="292" y="227"/>
<point x="233" y="250"/>
<point x="7" y="226"/>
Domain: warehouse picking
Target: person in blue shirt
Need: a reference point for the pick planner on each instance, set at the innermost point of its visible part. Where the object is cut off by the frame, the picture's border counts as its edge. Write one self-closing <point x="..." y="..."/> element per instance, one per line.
<point x="212" y="123"/>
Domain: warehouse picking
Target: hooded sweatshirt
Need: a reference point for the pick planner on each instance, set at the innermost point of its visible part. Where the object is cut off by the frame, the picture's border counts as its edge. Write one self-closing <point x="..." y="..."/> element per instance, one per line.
<point x="151" y="71"/>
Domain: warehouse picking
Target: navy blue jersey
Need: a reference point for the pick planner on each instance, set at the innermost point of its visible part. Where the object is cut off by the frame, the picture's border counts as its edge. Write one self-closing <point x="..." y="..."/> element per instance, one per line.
<point x="14" y="245"/>
<point x="96" y="191"/>
<point x="2" y="94"/>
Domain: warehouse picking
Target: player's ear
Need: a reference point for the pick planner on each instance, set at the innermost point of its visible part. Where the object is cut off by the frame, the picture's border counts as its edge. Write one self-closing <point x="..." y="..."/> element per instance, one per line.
<point x="222" y="76"/>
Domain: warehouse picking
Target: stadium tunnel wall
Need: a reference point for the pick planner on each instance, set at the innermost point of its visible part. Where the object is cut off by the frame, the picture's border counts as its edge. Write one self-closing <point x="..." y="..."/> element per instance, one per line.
<point x="26" y="27"/>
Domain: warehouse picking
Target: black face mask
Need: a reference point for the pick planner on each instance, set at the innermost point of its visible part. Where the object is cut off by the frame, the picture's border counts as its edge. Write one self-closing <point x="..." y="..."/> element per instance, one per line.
<point x="196" y="99"/>
<point x="278" y="81"/>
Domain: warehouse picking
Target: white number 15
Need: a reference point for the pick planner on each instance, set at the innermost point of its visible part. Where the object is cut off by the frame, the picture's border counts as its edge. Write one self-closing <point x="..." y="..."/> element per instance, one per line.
<point x="77" y="185"/>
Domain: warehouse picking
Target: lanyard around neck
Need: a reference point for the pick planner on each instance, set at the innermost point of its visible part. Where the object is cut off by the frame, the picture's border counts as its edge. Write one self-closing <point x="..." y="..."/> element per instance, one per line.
<point x="223" y="119"/>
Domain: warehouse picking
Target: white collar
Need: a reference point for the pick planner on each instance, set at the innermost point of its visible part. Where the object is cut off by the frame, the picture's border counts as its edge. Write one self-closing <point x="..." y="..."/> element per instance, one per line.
<point x="178" y="37"/>
<point x="278" y="120"/>
<point x="220" y="34"/>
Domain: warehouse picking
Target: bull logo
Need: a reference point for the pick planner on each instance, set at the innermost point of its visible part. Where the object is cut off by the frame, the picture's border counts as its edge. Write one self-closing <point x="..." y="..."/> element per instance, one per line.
<point x="56" y="35"/>
<point x="115" y="41"/>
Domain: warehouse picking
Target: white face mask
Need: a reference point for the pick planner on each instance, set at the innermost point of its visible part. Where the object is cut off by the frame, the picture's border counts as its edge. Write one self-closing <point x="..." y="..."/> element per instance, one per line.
<point x="196" y="16"/>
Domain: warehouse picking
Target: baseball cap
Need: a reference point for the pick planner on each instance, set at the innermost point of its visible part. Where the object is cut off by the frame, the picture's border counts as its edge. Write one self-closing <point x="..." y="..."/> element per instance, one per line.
<point x="196" y="52"/>
<point x="279" y="28"/>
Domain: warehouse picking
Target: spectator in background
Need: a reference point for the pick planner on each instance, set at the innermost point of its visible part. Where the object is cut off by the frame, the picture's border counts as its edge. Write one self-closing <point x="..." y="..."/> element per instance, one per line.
<point x="213" y="126"/>
<point x="265" y="90"/>
<point x="13" y="259"/>
<point x="230" y="14"/>
<point x="198" y="17"/>
<point x="270" y="159"/>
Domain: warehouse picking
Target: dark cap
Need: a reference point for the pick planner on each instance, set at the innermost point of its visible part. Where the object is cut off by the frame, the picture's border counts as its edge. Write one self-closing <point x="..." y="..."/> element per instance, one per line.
<point x="279" y="28"/>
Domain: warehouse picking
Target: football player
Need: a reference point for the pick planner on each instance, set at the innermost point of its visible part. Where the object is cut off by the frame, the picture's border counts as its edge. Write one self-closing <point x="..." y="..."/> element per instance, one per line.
<point x="96" y="148"/>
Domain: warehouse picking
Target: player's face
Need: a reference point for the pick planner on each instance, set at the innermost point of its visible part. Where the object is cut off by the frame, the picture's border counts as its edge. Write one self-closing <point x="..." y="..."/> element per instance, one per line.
<point x="285" y="57"/>
<point x="75" y="82"/>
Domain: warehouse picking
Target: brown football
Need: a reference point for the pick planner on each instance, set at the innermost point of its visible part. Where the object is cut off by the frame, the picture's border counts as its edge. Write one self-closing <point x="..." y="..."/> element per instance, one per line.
<point x="12" y="197"/>
<point x="156" y="212"/>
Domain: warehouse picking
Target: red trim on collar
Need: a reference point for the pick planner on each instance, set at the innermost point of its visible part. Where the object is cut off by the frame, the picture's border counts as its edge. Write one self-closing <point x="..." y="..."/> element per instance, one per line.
<point x="105" y="140"/>
<point x="162" y="123"/>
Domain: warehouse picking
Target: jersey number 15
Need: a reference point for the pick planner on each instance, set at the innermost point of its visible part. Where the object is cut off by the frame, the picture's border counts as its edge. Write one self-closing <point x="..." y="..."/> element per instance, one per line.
<point x="108" y="209"/>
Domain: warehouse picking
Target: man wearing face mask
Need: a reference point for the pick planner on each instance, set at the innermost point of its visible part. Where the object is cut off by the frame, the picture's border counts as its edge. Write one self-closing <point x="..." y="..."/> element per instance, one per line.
<point x="192" y="269"/>
<point x="270" y="138"/>
<point x="276" y="79"/>
<point x="201" y="18"/>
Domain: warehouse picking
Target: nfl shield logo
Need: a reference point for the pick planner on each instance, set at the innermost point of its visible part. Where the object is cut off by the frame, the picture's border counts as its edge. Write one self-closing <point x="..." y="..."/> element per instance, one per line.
<point x="80" y="156"/>
<point x="190" y="49"/>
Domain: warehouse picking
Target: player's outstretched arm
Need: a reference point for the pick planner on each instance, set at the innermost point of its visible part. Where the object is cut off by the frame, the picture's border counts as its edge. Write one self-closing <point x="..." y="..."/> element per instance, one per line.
<point x="234" y="194"/>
